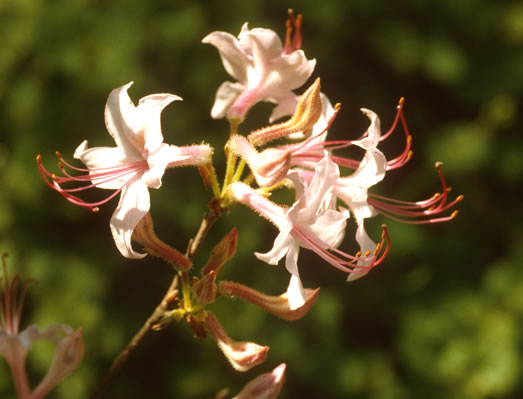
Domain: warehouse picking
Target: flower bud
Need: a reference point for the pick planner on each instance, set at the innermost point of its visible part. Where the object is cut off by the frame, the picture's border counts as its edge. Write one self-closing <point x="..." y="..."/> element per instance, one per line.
<point x="204" y="290"/>
<point x="145" y="235"/>
<point x="265" y="386"/>
<point x="242" y="355"/>
<point x="277" y="305"/>
<point x="221" y="253"/>
<point x="308" y="111"/>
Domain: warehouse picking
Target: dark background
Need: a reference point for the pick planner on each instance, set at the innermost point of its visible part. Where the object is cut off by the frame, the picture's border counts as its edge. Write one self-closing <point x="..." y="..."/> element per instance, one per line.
<point x="441" y="318"/>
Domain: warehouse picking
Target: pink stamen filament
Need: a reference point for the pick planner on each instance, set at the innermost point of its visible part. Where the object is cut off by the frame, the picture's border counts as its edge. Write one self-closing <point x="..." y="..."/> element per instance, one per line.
<point x="348" y="266"/>
<point x="99" y="175"/>
<point x="420" y="209"/>
<point x="405" y="156"/>
<point x="394" y="163"/>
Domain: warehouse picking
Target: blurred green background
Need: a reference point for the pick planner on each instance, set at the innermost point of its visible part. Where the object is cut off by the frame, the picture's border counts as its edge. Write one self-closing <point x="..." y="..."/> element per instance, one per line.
<point x="441" y="318"/>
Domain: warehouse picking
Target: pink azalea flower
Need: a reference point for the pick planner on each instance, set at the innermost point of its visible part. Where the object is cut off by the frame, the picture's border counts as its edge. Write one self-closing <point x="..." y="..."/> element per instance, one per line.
<point x="311" y="222"/>
<point x="353" y="189"/>
<point x="263" y="68"/>
<point x="137" y="163"/>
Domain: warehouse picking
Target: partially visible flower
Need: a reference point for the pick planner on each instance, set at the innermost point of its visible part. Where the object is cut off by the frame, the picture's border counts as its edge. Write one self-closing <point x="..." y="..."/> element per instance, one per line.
<point x="263" y="68"/>
<point x="353" y="189"/>
<point x="15" y="344"/>
<point x="137" y="163"/>
<point x="242" y="355"/>
<point x="265" y="386"/>
<point x="311" y="222"/>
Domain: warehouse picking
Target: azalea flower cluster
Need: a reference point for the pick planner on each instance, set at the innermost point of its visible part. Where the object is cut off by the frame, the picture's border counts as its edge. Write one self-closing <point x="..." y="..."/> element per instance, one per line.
<point x="329" y="189"/>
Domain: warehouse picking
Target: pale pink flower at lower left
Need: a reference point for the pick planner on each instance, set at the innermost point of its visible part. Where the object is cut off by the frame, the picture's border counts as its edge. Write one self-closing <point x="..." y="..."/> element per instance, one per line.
<point x="137" y="163"/>
<point x="15" y="344"/>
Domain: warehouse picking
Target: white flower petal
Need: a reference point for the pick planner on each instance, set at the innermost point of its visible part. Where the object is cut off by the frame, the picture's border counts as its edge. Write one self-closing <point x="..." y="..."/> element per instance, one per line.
<point x="281" y="246"/>
<point x="119" y="119"/>
<point x="226" y="95"/>
<point x="104" y="157"/>
<point x="295" y="293"/>
<point x="148" y="120"/>
<point x="134" y="204"/>
<point x="158" y="162"/>
<point x="286" y="106"/>
<point x="330" y="226"/>
<point x="262" y="44"/>
<point x="294" y="69"/>
<point x="366" y="244"/>
<point x="372" y="138"/>
<point x="233" y="57"/>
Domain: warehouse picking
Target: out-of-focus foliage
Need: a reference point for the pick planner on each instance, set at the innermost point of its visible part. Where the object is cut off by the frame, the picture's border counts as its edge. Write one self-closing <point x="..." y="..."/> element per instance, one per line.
<point x="442" y="318"/>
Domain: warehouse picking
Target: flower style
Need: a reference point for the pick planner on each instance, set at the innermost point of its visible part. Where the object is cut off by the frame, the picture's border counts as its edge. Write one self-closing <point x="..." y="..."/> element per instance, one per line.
<point x="137" y="163"/>
<point x="15" y="344"/>
<point x="311" y="222"/>
<point x="264" y="69"/>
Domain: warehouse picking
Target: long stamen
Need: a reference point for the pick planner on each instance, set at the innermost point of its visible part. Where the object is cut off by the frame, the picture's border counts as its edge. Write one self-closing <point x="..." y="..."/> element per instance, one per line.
<point x="399" y="112"/>
<point x="118" y="173"/>
<point x="95" y="177"/>
<point x="420" y="212"/>
<point x="292" y="24"/>
<point x="345" y="262"/>
<point x="406" y="154"/>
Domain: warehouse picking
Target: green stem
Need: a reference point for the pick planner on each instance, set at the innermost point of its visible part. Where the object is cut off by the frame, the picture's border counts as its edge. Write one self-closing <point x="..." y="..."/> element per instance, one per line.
<point x="239" y="171"/>
<point x="163" y="307"/>
<point x="229" y="171"/>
